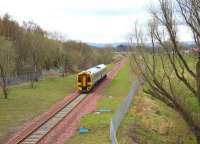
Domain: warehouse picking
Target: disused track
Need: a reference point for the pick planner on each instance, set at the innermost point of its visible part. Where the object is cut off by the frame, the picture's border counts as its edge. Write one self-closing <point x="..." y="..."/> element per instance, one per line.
<point x="46" y="127"/>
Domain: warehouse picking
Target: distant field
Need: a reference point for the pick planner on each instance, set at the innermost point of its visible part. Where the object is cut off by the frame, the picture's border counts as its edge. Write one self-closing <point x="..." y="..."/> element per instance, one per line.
<point x="99" y="123"/>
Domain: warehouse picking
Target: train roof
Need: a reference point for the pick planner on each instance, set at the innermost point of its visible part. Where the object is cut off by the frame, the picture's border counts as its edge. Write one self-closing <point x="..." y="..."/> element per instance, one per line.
<point x="96" y="68"/>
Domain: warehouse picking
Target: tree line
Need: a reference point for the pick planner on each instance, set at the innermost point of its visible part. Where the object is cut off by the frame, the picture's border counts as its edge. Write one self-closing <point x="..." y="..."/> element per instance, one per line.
<point x="27" y="48"/>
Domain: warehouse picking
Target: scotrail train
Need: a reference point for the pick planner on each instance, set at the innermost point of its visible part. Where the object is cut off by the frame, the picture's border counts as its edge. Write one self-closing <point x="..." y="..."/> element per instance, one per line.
<point x="87" y="79"/>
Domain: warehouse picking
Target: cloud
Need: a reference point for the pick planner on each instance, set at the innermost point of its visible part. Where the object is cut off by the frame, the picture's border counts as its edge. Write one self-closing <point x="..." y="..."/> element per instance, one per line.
<point x="85" y="20"/>
<point x="185" y="33"/>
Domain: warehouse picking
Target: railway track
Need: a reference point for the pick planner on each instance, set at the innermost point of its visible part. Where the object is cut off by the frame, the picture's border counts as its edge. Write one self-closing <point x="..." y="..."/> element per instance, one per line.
<point x="37" y="135"/>
<point x="48" y="127"/>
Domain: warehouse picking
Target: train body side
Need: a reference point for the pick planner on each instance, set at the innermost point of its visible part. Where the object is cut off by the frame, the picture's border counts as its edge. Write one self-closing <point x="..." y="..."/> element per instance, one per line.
<point x="86" y="80"/>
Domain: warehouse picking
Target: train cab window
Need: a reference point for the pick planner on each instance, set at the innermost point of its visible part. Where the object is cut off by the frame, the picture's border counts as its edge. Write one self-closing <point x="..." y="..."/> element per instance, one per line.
<point x="88" y="79"/>
<point x="79" y="79"/>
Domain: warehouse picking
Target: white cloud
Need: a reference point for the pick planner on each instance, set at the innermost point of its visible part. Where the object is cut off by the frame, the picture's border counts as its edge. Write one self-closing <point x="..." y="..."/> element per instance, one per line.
<point x="85" y="20"/>
<point x="185" y="33"/>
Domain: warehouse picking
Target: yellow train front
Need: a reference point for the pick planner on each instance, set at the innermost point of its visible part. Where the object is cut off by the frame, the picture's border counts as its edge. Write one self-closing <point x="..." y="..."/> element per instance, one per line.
<point x="86" y="80"/>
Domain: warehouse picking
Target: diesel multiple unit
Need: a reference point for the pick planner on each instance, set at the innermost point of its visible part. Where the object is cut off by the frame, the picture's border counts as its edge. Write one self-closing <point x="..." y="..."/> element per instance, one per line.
<point x="87" y="79"/>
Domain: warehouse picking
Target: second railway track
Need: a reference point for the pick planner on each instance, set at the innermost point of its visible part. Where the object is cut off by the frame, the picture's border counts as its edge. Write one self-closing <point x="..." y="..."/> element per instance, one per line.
<point x="37" y="135"/>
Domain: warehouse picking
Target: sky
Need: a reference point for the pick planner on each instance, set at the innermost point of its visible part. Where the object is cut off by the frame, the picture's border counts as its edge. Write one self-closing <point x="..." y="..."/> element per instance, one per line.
<point x="94" y="21"/>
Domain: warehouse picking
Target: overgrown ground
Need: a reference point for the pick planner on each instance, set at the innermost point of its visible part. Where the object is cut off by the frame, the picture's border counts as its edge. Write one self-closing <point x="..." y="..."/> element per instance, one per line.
<point x="99" y="123"/>
<point x="25" y="102"/>
<point x="150" y="121"/>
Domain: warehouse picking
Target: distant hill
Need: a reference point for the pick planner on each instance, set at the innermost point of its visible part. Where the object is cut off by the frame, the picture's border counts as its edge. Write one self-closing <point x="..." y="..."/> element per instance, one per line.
<point x="188" y="44"/>
<point x="103" y="45"/>
<point x="124" y="46"/>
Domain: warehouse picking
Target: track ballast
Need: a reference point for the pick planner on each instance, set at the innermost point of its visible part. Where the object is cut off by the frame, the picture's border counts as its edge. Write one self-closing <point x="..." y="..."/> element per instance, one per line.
<point x="46" y="127"/>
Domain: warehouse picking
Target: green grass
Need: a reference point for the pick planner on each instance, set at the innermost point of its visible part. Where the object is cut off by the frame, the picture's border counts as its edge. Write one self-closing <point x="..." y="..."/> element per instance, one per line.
<point x="98" y="124"/>
<point x="25" y="102"/>
<point x="151" y="121"/>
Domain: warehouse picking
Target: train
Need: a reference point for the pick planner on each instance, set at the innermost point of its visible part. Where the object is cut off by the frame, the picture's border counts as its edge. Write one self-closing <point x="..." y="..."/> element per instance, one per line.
<point x="88" y="79"/>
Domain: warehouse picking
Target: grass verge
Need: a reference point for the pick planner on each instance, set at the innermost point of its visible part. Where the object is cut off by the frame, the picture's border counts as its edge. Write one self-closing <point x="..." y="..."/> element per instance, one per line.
<point x="25" y="102"/>
<point x="149" y="121"/>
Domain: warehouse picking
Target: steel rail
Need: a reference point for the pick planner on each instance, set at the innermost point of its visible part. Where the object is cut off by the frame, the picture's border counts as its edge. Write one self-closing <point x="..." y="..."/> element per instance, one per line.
<point x="39" y="133"/>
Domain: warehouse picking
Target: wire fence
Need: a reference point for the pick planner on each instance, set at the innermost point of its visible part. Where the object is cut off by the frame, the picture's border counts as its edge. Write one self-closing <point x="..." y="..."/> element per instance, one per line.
<point x="119" y="115"/>
<point x="13" y="80"/>
<point x="29" y="76"/>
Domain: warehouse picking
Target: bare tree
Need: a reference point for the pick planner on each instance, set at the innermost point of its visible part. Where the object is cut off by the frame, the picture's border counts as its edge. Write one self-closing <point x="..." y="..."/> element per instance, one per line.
<point x="166" y="63"/>
<point x="35" y="55"/>
<point x="7" y="63"/>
